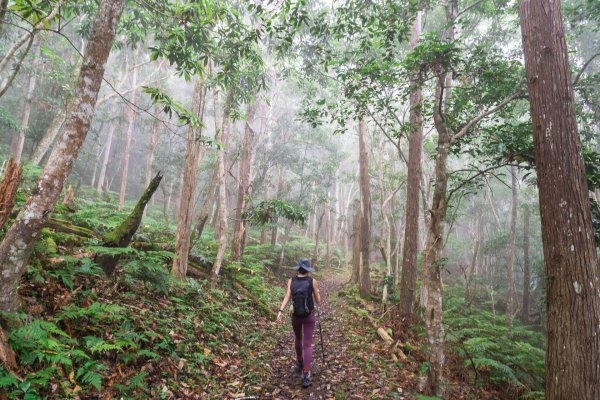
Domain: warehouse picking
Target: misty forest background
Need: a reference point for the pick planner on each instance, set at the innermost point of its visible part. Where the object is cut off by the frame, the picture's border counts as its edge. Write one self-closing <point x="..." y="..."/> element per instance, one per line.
<point x="164" y="164"/>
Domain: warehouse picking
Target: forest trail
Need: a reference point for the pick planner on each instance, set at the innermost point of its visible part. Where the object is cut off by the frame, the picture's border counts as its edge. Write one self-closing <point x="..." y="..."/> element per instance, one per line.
<point x="354" y="367"/>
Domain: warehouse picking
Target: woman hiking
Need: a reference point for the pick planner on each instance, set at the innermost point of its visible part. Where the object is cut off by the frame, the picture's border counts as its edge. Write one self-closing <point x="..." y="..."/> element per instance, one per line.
<point x="303" y="291"/>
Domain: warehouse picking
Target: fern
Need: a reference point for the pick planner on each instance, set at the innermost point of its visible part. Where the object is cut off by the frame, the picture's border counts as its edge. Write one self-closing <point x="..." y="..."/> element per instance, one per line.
<point x="96" y="311"/>
<point x="514" y="355"/>
<point x="97" y="345"/>
<point x="88" y="374"/>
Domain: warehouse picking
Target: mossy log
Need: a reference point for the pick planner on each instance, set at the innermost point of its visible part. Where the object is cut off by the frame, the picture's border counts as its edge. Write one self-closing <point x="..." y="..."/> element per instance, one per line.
<point x="121" y="235"/>
<point x="196" y="271"/>
<point x="61" y="225"/>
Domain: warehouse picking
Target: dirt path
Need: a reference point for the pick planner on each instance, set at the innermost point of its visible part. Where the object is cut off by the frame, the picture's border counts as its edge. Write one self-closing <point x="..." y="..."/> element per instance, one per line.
<point x="354" y="365"/>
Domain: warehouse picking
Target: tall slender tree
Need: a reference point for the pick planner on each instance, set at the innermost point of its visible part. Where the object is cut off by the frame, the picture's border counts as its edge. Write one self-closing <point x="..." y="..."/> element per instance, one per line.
<point x="570" y="258"/>
<point x="243" y="182"/>
<point x="408" y="282"/>
<point x="193" y="155"/>
<point x="511" y="296"/>
<point x="365" y="210"/>
<point x="130" y="118"/>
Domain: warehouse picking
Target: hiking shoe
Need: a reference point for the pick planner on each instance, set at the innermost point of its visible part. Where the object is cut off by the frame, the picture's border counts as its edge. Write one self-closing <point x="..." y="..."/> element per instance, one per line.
<point x="297" y="369"/>
<point x="306" y="379"/>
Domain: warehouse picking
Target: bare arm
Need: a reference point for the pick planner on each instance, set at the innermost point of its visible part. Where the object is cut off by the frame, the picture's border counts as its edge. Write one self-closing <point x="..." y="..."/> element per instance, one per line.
<point x="316" y="293"/>
<point x="286" y="299"/>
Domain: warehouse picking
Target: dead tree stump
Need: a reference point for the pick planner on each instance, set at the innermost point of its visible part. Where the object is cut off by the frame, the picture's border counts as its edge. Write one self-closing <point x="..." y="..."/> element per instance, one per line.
<point x="121" y="235"/>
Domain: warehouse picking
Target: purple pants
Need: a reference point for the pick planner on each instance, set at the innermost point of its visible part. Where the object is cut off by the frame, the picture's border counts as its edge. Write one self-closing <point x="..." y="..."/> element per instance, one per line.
<point x="303" y="333"/>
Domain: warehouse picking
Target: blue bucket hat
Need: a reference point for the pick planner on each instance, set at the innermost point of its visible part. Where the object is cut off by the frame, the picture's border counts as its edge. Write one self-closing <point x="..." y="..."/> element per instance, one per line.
<point x="305" y="265"/>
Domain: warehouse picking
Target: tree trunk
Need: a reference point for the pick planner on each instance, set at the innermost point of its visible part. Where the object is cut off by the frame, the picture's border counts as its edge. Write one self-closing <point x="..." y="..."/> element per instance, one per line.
<point x="385" y="241"/>
<point x="130" y="115"/>
<point x="512" y="244"/>
<point x="3" y="10"/>
<point x="8" y="189"/>
<point x="365" y="223"/>
<point x="100" y="185"/>
<point x="408" y="280"/>
<point x="317" y="252"/>
<point x="433" y="250"/>
<point x="355" y="277"/>
<point x="150" y="157"/>
<point x="243" y="183"/>
<point x="121" y="235"/>
<point x="573" y="287"/>
<point x="280" y="190"/>
<point x="49" y="136"/>
<point x="225" y="134"/>
<point x="188" y="184"/>
<point x="20" y="138"/>
<point x="526" y="266"/>
<point x="20" y="239"/>
<point x="473" y="268"/>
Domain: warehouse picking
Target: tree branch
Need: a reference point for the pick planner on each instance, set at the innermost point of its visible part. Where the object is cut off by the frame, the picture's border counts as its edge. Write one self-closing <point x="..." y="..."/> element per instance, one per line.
<point x="9" y="79"/>
<point x="587" y="63"/>
<point x="478" y="2"/>
<point x="384" y="131"/>
<point x="28" y="35"/>
<point x="484" y="114"/>
<point x="479" y="173"/>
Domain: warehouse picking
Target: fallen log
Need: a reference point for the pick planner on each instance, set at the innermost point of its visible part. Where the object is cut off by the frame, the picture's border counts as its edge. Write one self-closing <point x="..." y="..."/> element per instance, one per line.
<point x="121" y="235"/>
<point x="382" y="333"/>
<point x="60" y="225"/>
<point x="195" y="271"/>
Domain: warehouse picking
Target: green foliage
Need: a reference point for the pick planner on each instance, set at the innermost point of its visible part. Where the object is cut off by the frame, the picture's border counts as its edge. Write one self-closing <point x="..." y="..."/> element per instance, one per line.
<point x="500" y="354"/>
<point x="268" y="211"/>
<point x="170" y="106"/>
<point x="151" y="267"/>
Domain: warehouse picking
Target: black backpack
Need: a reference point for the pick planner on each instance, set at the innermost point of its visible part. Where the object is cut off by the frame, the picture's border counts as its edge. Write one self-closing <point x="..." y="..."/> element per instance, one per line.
<point x="302" y="299"/>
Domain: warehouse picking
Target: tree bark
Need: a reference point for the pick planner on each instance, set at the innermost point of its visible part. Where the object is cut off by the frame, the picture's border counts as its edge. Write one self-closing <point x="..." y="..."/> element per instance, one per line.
<point x="512" y="245"/>
<point x="365" y="220"/>
<point x="225" y="134"/>
<point x="3" y="10"/>
<point x="526" y="266"/>
<point x="355" y="236"/>
<point x="150" y="157"/>
<point x="101" y="184"/>
<point x="573" y="287"/>
<point x="185" y="213"/>
<point x="130" y="115"/>
<point x="20" y="239"/>
<point x="243" y="182"/>
<point x="408" y="280"/>
<point x="8" y="189"/>
<point x="434" y="245"/>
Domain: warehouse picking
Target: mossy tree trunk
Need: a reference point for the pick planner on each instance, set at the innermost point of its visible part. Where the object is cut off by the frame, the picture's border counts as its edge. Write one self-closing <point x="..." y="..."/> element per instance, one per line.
<point x="16" y="247"/>
<point x="121" y="236"/>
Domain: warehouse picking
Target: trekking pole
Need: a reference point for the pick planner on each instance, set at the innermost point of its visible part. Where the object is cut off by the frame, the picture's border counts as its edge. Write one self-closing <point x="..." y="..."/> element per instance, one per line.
<point x="321" y="333"/>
